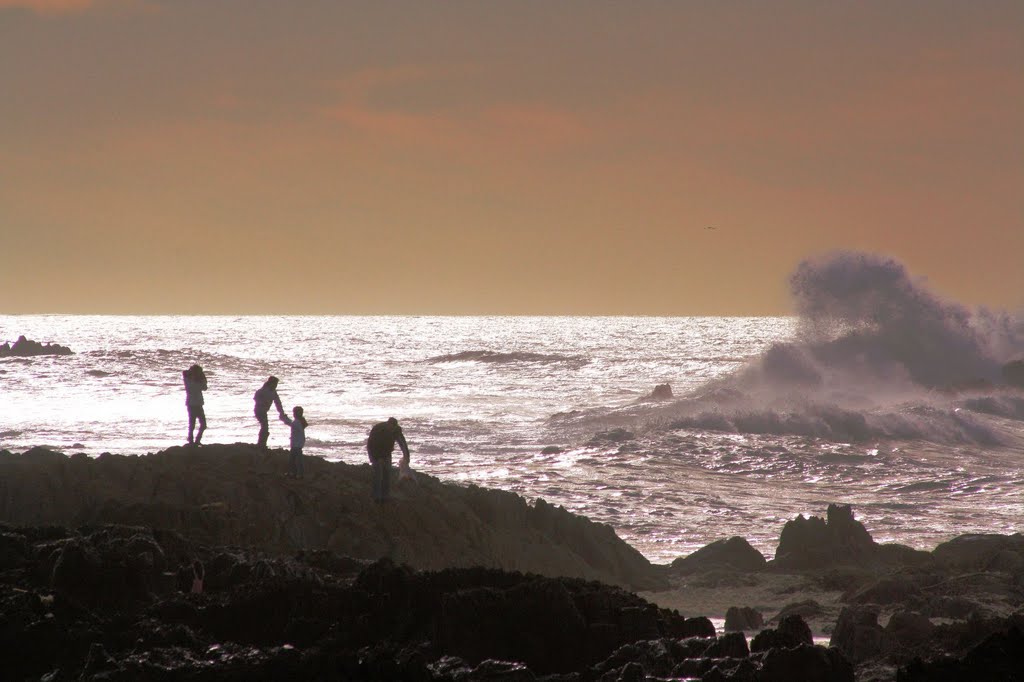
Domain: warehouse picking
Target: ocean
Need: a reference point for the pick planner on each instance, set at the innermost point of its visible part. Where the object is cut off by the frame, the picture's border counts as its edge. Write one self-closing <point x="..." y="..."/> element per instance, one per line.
<point x="890" y="402"/>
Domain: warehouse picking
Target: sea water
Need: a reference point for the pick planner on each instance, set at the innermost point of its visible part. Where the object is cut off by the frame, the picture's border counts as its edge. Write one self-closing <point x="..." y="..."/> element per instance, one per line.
<point x="900" y="415"/>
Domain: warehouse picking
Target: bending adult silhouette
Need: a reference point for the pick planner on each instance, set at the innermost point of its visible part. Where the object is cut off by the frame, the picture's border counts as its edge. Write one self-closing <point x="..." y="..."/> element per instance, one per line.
<point x="264" y="397"/>
<point x="379" y="447"/>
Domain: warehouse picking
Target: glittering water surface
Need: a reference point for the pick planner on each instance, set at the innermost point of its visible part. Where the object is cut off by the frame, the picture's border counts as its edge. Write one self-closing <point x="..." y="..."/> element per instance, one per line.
<point x="480" y="399"/>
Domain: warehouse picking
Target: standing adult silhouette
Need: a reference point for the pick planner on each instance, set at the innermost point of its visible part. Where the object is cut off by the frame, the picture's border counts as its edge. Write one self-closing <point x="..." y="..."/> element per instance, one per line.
<point x="195" y="384"/>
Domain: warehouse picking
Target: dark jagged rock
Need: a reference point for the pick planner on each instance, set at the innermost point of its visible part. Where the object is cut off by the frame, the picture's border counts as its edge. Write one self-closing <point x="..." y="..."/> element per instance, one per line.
<point x="982" y="552"/>
<point x="26" y="348"/>
<point x="814" y="543"/>
<point x="804" y="609"/>
<point x="806" y="663"/>
<point x="792" y="631"/>
<point x="999" y="657"/>
<point x="106" y="614"/>
<point x="237" y="495"/>
<point x="734" y="553"/>
<point x="660" y="392"/>
<point x="908" y="629"/>
<point x="740" y="619"/>
<point x="858" y="634"/>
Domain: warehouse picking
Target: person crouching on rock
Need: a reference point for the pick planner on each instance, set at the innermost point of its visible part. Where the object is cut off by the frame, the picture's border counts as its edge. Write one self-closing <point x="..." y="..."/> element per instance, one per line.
<point x="298" y="440"/>
<point x="379" y="446"/>
<point x="264" y="397"/>
<point x="195" y="384"/>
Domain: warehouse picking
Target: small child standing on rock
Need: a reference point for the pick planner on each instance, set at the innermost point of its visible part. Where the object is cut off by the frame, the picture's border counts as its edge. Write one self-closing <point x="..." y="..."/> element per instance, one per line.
<point x="298" y="440"/>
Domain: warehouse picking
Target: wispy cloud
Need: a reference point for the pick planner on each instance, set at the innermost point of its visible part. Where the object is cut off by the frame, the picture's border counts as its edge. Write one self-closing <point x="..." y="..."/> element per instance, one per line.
<point x="369" y="106"/>
<point x="51" y="8"/>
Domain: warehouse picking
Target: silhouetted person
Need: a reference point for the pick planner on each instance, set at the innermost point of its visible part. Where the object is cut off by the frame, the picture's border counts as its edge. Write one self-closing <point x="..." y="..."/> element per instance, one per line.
<point x="264" y="398"/>
<point x="298" y="440"/>
<point x="195" y="384"/>
<point x="379" y="446"/>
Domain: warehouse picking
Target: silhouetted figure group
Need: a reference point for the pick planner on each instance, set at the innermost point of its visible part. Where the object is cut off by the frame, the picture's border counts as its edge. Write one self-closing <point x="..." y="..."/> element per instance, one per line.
<point x="379" y="446"/>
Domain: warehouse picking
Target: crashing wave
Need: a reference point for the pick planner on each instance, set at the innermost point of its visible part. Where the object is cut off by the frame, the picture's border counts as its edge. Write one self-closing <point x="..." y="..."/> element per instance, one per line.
<point x="835" y="423"/>
<point x="876" y="355"/>
<point x="863" y="318"/>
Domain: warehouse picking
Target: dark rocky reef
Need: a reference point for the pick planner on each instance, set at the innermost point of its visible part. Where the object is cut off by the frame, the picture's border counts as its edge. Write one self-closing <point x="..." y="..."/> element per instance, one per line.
<point x="237" y="495"/>
<point x="949" y="614"/>
<point x="26" y="348"/>
<point x="115" y="603"/>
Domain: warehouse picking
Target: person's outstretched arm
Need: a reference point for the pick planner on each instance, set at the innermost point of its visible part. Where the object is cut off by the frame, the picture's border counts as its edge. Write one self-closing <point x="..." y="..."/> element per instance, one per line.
<point x="277" y="404"/>
<point x="402" y="444"/>
<point x="285" y="419"/>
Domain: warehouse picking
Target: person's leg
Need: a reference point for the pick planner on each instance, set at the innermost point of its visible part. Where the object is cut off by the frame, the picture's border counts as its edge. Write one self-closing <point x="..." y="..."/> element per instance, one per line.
<point x="201" y="415"/>
<point x="377" y="465"/>
<point x="191" y="422"/>
<point x="264" y="430"/>
<point x="385" y="479"/>
<point x="298" y="463"/>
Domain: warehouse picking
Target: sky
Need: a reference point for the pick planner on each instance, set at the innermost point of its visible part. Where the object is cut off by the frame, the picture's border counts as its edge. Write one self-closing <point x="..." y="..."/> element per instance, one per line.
<point x="530" y="157"/>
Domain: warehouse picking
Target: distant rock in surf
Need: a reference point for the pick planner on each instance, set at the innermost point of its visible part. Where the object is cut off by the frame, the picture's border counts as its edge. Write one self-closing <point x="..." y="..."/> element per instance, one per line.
<point x="660" y="392"/>
<point x="613" y="436"/>
<point x="26" y="348"/>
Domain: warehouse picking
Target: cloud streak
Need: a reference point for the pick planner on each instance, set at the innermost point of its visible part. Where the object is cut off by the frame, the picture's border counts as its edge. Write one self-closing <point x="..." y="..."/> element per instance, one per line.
<point x="368" y="107"/>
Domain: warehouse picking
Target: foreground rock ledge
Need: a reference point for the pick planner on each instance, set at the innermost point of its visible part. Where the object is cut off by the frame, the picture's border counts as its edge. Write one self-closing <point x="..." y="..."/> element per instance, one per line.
<point x="237" y="495"/>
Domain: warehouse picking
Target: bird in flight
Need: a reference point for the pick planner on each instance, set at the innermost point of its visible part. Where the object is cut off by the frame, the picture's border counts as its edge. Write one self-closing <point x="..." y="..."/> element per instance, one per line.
<point x="709" y="227"/>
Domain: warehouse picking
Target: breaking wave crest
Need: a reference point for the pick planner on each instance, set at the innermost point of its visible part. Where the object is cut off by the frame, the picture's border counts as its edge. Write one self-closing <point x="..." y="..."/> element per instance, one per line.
<point x="835" y="423"/>
<point x="863" y="318"/>
<point x="876" y="355"/>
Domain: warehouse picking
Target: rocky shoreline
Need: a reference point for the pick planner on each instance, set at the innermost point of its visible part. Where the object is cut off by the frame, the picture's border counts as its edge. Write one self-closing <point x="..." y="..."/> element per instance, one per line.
<point x="307" y="579"/>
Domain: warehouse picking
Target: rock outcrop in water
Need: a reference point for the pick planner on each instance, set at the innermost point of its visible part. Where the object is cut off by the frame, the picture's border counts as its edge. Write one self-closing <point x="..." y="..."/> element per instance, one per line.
<point x="237" y="495"/>
<point x="25" y="348"/>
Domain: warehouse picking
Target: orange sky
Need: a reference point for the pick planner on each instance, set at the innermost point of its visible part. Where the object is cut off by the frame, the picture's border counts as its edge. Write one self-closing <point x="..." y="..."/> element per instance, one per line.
<point x="515" y="157"/>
